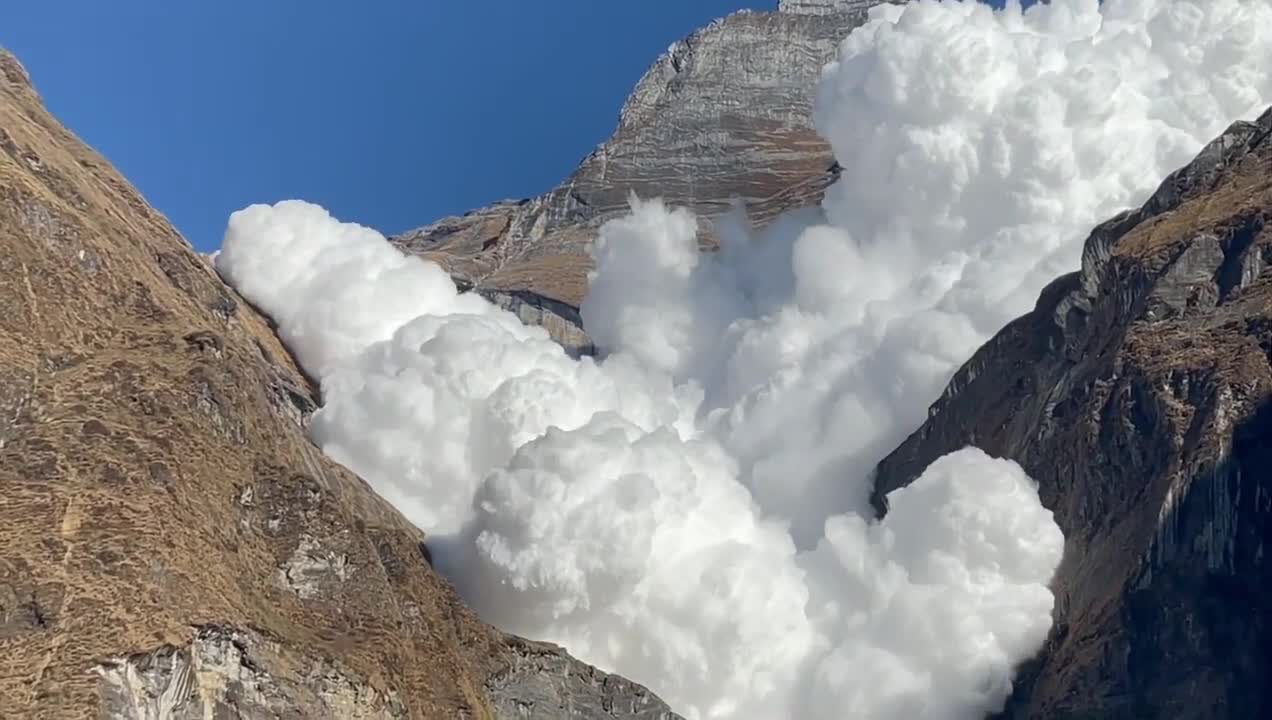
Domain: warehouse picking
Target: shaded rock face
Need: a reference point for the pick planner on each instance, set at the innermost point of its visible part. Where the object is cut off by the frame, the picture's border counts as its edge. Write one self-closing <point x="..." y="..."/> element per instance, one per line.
<point x="562" y="321"/>
<point x="725" y="113"/>
<point x="171" y="545"/>
<point x="531" y="688"/>
<point x="1138" y="393"/>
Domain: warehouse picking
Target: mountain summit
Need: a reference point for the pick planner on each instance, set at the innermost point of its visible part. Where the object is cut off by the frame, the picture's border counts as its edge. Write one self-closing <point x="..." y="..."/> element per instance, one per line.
<point x="723" y="115"/>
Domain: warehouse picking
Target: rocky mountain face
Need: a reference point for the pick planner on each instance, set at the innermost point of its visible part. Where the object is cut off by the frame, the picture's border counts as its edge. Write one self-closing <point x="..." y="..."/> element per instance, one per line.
<point x="171" y="545"/>
<point x="1138" y="393"/>
<point x="725" y="113"/>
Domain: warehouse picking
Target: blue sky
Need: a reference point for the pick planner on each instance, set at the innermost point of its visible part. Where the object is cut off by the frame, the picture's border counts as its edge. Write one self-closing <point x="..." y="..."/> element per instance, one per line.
<point x="391" y="113"/>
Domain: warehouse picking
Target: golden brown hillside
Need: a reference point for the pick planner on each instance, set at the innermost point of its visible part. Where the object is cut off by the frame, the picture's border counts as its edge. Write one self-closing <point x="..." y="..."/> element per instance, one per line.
<point x="171" y="545"/>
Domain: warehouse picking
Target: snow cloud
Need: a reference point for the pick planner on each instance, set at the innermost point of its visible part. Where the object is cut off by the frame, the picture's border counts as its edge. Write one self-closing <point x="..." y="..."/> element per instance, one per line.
<point x="593" y="505"/>
<point x="978" y="149"/>
<point x="690" y="511"/>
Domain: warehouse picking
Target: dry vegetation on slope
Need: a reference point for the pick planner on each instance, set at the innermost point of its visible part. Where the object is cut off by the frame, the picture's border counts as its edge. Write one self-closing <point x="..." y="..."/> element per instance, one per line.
<point x="169" y="539"/>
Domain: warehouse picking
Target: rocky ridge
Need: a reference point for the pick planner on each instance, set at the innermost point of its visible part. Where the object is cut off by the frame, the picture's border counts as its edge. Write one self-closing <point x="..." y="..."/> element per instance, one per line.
<point x="1138" y="393"/>
<point x="724" y="114"/>
<point x="171" y="545"/>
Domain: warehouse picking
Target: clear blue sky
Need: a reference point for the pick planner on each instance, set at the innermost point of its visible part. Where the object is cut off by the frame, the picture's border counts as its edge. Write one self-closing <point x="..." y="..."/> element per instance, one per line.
<point x="391" y="113"/>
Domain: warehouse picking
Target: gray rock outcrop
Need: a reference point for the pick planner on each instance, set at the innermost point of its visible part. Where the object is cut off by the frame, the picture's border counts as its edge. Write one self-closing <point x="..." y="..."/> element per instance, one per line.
<point x="822" y="7"/>
<point x="561" y="320"/>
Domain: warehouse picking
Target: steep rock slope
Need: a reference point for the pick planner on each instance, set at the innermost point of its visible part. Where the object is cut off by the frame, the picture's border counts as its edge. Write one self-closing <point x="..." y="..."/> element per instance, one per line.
<point x="171" y="546"/>
<point x="725" y="113"/>
<point x="1138" y="393"/>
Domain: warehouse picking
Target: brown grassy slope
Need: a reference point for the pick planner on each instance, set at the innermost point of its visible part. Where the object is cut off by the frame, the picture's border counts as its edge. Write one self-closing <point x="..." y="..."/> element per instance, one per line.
<point x="141" y="402"/>
<point x="155" y="481"/>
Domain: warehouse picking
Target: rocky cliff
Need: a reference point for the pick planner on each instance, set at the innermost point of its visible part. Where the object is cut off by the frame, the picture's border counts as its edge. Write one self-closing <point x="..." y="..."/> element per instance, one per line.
<point x="171" y="545"/>
<point x="725" y="113"/>
<point x="1138" y="393"/>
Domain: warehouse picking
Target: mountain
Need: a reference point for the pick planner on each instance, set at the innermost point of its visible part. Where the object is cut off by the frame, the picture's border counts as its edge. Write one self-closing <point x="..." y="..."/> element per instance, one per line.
<point x="173" y="545"/>
<point x="176" y="547"/>
<point x="1138" y="393"/>
<point x="725" y="113"/>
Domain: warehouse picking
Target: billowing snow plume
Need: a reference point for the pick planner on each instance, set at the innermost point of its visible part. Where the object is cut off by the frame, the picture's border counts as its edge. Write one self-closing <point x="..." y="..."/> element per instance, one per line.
<point x="690" y="511"/>
<point x="425" y="390"/>
<point x="591" y="505"/>
<point x="978" y="148"/>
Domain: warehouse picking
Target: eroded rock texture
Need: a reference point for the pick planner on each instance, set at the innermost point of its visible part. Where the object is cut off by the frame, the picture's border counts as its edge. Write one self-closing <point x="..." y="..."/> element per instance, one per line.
<point x="725" y="113"/>
<point x="171" y="545"/>
<point x="1138" y="393"/>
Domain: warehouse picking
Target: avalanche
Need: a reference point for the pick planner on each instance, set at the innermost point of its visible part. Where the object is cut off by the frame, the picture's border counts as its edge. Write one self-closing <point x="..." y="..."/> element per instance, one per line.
<point x="690" y="510"/>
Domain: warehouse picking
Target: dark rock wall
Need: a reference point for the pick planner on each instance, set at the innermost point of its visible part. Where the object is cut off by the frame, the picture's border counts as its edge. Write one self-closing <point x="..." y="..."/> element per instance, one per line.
<point x="1138" y="394"/>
